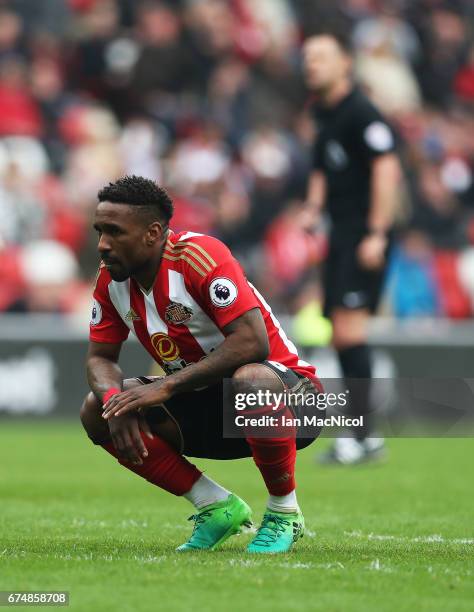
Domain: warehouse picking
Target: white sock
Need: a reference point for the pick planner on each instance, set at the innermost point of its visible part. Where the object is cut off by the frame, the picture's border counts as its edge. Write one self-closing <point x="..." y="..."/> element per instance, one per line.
<point x="205" y="491"/>
<point x="283" y="503"/>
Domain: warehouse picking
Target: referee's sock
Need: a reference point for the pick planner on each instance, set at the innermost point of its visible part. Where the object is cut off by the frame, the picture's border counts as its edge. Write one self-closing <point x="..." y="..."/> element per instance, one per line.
<point x="356" y="364"/>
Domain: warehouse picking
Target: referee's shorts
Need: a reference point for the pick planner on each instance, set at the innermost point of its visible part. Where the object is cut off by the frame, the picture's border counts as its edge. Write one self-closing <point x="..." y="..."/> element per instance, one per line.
<point x="346" y="283"/>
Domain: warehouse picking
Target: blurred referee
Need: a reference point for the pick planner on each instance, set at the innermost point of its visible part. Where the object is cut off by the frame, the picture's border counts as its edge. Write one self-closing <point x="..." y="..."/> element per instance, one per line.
<point x="355" y="175"/>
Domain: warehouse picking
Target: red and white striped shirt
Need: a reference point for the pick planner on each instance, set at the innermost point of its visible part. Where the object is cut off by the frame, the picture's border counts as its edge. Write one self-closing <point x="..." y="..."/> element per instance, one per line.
<point x="199" y="289"/>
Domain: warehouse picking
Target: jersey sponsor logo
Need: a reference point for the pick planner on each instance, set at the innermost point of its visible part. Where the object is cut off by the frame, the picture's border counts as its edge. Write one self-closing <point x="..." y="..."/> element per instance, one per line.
<point x="96" y="316"/>
<point x="132" y="316"/>
<point x="378" y="136"/>
<point x="177" y="313"/>
<point x="222" y="292"/>
<point x="168" y="353"/>
<point x="336" y="157"/>
<point x="165" y="346"/>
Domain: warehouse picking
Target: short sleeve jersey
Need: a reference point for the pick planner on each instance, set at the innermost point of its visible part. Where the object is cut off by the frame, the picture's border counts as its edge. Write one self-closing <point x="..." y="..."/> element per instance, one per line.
<point x="350" y="136"/>
<point x="199" y="289"/>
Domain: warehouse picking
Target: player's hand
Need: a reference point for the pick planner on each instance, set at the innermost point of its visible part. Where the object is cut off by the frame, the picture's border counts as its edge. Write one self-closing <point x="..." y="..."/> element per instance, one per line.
<point x="125" y="433"/>
<point x="137" y="398"/>
<point x="371" y="251"/>
<point x="309" y="220"/>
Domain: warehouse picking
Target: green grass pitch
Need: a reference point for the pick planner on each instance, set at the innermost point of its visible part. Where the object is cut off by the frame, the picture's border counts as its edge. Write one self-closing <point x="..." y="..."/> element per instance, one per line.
<point x="397" y="536"/>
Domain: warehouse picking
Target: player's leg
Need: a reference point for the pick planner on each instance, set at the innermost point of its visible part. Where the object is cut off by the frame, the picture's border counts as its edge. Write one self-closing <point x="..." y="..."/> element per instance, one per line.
<point x="350" y="341"/>
<point x="97" y="428"/>
<point x="164" y="466"/>
<point x="350" y="330"/>
<point x="351" y="296"/>
<point x="346" y="304"/>
<point x="275" y="458"/>
<point x="167" y="468"/>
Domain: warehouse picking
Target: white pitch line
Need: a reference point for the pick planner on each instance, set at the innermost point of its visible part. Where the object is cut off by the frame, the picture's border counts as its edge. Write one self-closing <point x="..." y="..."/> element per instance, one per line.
<point x="429" y="539"/>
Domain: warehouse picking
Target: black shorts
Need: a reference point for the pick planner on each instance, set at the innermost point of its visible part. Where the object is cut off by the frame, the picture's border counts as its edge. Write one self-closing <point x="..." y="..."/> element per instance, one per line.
<point x="346" y="283"/>
<point x="199" y="418"/>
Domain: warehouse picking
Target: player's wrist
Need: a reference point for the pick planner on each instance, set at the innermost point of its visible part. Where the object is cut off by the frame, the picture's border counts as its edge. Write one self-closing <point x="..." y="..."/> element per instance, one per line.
<point x="378" y="231"/>
<point x="378" y="234"/>
<point x="109" y="393"/>
<point x="167" y="385"/>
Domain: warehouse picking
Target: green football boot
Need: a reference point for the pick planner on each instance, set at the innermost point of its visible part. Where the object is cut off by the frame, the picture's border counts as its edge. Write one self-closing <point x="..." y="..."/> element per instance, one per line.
<point x="278" y="532"/>
<point x="215" y="523"/>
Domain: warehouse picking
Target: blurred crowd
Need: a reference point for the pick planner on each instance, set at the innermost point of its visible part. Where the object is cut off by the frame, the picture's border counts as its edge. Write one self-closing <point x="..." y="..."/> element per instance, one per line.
<point x="208" y="98"/>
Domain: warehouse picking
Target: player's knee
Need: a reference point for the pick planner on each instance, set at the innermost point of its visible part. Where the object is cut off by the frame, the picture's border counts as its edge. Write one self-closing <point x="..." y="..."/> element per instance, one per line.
<point x="89" y="405"/>
<point x="344" y="336"/>
<point x="349" y="328"/>
<point x="91" y="420"/>
<point x="90" y="415"/>
<point x="343" y="341"/>
<point x="248" y="376"/>
<point x="255" y="377"/>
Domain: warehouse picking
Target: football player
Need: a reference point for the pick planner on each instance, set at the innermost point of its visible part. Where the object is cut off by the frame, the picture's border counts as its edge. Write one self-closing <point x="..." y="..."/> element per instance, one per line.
<point x="188" y="302"/>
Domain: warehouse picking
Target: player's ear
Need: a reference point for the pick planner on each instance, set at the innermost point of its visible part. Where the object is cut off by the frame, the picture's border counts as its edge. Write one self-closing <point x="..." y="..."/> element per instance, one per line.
<point x="154" y="233"/>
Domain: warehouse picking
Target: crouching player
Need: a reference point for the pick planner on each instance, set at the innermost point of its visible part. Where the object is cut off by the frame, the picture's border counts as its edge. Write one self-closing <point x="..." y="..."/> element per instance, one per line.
<point x="188" y="302"/>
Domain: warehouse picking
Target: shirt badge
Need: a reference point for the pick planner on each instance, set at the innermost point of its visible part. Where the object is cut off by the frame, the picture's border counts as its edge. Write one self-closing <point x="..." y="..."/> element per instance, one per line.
<point x="222" y="292"/>
<point x="177" y="313"/>
<point x="96" y="316"/>
<point x="132" y="316"/>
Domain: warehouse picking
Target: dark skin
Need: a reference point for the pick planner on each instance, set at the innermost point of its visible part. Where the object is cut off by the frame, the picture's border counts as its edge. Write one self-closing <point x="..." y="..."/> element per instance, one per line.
<point x="130" y="242"/>
<point x="131" y="246"/>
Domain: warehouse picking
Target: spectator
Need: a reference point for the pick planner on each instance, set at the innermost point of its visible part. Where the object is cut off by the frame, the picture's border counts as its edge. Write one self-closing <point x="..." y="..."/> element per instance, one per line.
<point x="19" y="113"/>
<point x="411" y="282"/>
<point x="206" y="98"/>
<point x="50" y="273"/>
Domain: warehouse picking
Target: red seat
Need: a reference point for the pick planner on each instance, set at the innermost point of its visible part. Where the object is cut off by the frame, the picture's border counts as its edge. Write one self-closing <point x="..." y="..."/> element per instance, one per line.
<point x="454" y="300"/>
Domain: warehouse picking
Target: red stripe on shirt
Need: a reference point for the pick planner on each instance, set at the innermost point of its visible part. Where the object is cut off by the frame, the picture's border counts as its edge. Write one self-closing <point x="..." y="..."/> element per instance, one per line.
<point x="179" y="333"/>
<point x="137" y="302"/>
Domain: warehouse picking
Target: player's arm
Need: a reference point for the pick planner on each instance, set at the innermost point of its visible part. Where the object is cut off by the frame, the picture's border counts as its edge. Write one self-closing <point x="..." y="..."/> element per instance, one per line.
<point x="107" y="334"/>
<point x="102" y="368"/>
<point x="316" y="193"/>
<point x="315" y="198"/>
<point x="385" y="179"/>
<point x="104" y="375"/>
<point x="375" y="142"/>
<point x="246" y="341"/>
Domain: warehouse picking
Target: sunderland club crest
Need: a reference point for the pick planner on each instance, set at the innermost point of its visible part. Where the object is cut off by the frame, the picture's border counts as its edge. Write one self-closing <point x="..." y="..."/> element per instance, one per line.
<point x="177" y="313"/>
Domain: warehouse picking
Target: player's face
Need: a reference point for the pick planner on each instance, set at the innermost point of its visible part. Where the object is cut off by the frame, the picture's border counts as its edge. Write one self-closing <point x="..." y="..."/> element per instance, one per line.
<point x="126" y="242"/>
<point x="325" y="63"/>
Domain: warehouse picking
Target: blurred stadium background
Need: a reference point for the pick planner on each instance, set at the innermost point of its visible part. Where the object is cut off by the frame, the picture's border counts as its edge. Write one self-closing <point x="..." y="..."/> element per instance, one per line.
<point x="207" y="97"/>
